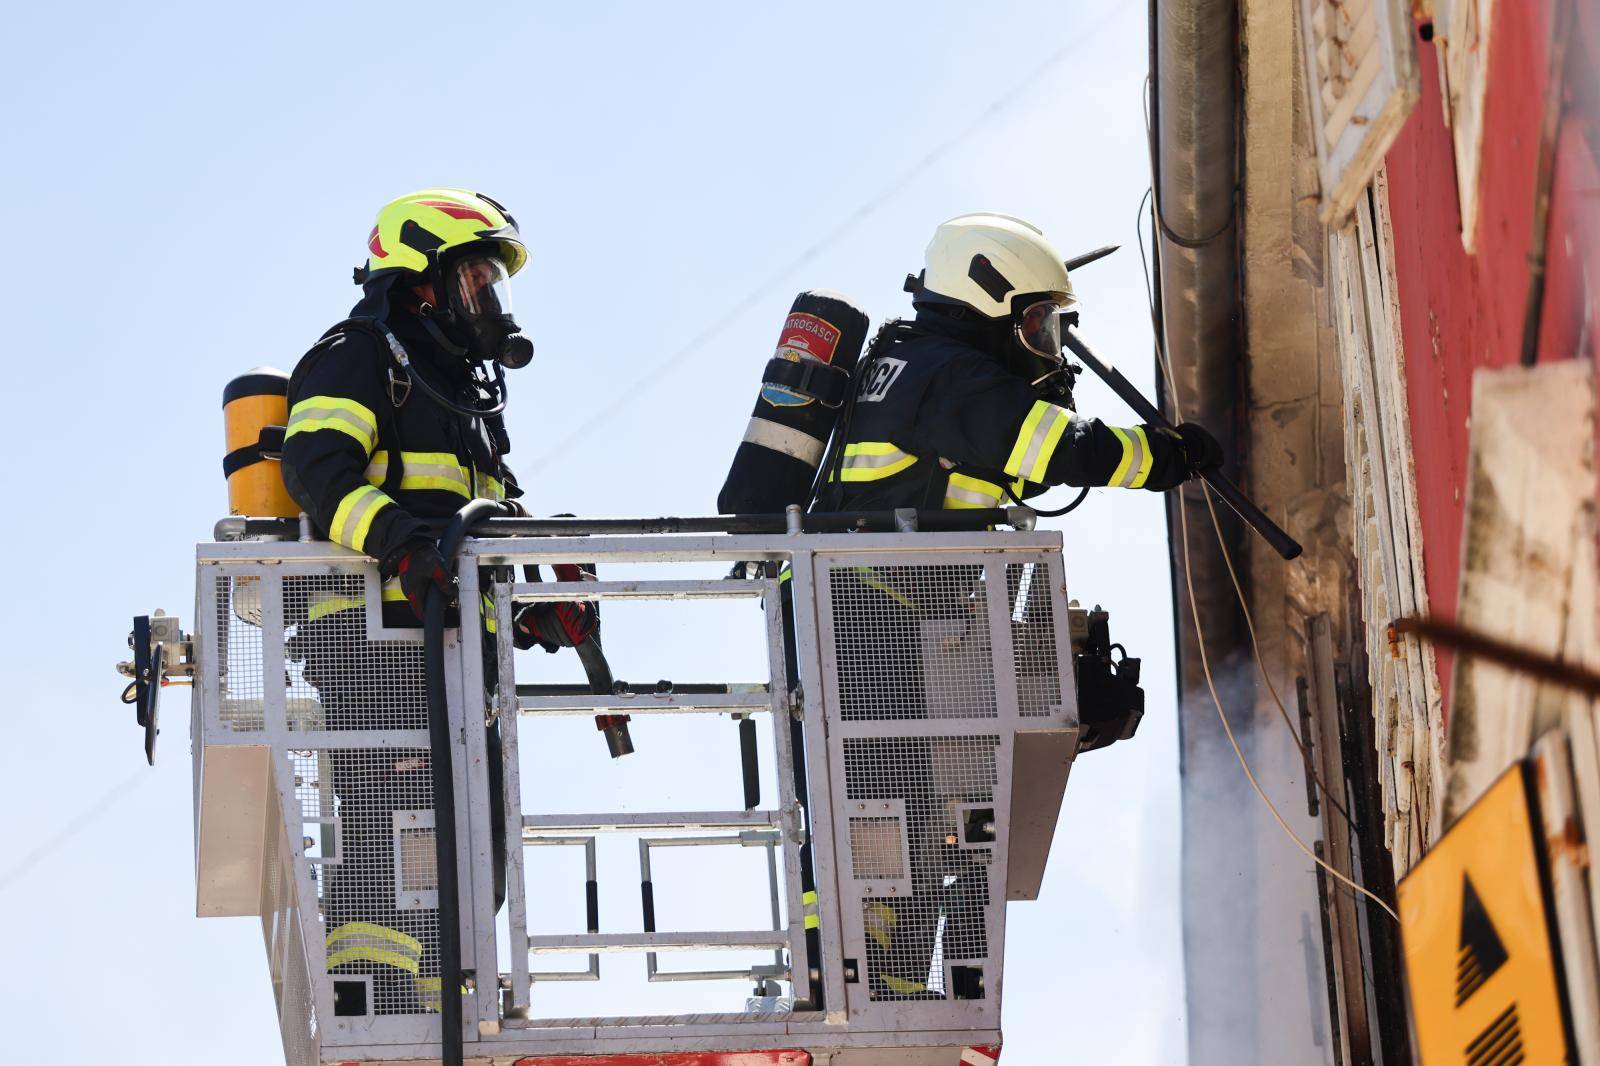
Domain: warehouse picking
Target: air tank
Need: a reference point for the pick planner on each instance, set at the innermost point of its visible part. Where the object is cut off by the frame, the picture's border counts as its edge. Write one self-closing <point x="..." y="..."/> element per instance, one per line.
<point x="803" y="388"/>
<point x="256" y="400"/>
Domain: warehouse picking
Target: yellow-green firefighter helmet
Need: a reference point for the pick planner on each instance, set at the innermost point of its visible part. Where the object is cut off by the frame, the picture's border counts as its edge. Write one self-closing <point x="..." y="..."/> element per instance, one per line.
<point x="415" y="229"/>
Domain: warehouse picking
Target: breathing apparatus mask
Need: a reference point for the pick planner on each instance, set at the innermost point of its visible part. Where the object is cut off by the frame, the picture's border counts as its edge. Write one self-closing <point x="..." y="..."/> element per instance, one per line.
<point x="475" y="325"/>
<point x="1036" y="354"/>
<point x="476" y="290"/>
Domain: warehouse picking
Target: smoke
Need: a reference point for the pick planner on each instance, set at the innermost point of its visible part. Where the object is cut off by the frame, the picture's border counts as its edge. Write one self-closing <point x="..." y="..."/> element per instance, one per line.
<point x="1248" y="893"/>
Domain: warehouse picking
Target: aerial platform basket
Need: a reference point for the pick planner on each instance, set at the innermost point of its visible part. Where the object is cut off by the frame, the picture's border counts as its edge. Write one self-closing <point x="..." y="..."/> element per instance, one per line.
<point x="923" y="717"/>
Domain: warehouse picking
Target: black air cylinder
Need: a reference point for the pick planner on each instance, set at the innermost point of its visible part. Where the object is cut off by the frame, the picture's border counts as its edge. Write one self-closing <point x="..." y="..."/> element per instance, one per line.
<point x="795" y="413"/>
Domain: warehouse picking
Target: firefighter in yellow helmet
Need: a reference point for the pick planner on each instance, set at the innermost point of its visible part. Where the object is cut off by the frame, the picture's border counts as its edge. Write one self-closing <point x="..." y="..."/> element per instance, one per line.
<point x="396" y="416"/>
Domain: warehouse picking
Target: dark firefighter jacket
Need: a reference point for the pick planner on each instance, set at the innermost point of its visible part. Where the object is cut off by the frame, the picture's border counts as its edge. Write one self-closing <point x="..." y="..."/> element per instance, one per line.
<point x="939" y="423"/>
<point x="367" y="456"/>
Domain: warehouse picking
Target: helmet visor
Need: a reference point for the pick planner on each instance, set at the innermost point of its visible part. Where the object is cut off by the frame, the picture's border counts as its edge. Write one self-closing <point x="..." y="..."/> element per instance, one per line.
<point x="1038" y="328"/>
<point x="482" y="287"/>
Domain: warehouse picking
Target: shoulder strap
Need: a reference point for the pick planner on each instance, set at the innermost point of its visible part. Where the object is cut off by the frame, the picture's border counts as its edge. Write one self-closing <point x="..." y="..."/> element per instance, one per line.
<point x="891" y="333"/>
<point x="399" y="388"/>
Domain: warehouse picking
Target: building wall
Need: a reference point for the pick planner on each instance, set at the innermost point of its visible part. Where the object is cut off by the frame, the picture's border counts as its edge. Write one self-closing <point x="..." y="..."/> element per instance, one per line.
<point x="1461" y="311"/>
<point x="1360" y="343"/>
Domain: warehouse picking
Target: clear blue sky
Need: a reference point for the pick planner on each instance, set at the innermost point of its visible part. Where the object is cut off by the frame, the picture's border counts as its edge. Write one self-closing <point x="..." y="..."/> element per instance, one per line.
<point x="202" y="178"/>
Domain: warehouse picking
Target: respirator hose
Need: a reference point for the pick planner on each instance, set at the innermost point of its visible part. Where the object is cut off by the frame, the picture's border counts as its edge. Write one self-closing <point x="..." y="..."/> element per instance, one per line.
<point x="497" y="405"/>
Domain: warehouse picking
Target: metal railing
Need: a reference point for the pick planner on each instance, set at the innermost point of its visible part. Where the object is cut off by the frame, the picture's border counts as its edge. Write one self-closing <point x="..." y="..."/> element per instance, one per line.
<point x="922" y="716"/>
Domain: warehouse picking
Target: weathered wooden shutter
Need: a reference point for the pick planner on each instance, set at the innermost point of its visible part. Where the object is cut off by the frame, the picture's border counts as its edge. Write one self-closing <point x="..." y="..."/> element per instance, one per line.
<point x="1461" y="38"/>
<point x="1361" y="73"/>
<point x="1387" y="526"/>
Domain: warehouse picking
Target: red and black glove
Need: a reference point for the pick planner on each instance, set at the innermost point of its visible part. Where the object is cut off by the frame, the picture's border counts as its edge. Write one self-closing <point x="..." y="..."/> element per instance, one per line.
<point x="420" y="567"/>
<point x="554" y="625"/>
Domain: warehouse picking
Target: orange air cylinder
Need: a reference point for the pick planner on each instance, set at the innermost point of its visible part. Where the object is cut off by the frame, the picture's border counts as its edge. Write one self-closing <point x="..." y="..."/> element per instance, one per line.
<point x="251" y="402"/>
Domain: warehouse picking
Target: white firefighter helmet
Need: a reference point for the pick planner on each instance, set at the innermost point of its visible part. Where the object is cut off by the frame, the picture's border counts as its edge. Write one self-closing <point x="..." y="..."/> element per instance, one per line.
<point x="1000" y="267"/>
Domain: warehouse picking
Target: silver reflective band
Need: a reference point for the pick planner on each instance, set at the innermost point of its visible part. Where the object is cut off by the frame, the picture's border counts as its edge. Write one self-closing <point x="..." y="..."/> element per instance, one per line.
<point x="976" y="499"/>
<point x="865" y="460"/>
<point x="785" y="439"/>
<point x="1135" y="466"/>
<point x="962" y="491"/>
<point x="1037" y="440"/>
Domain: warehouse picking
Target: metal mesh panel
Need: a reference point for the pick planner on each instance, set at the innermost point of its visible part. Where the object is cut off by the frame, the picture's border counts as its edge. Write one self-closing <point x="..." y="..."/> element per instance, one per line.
<point x="912" y="642"/>
<point x="877" y="848"/>
<point x="240" y="672"/>
<point x="910" y="940"/>
<point x="286" y="957"/>
<point x="1033" y="639"/>
<point x="338" y="679"/>
<point x="374" y="925"/>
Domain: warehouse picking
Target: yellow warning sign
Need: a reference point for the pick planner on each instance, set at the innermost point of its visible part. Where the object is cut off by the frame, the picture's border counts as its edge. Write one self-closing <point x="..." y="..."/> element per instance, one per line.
<point x="1475" y="930"/>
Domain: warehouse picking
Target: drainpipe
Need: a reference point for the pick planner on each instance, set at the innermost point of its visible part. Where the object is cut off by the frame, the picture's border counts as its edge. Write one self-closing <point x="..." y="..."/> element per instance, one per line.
<point x="1195" y="107"/>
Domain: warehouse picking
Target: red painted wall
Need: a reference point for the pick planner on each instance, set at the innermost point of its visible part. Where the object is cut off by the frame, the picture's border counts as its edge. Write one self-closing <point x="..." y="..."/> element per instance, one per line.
<point x="1459" y="312"/>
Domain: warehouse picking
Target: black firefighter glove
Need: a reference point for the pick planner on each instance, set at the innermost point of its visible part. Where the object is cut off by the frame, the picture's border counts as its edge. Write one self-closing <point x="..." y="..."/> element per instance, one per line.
<point x="1194" y="451"/>
<point x="420" y="567"/>
<point x="554" y="625"/>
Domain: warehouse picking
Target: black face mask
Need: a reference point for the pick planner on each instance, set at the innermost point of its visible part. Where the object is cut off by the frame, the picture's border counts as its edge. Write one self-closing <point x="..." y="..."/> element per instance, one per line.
<point x="501" y="340"/>
<point x="477" y="293"/>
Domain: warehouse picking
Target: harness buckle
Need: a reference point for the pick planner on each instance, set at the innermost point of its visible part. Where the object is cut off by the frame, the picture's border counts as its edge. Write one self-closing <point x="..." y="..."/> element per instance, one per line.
<point x="399" y="387"/>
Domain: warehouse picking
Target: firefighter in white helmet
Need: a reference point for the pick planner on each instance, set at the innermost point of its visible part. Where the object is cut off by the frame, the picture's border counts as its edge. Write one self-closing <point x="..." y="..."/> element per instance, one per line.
<point x="968" y="406"/>
<point x="971" y="403"/>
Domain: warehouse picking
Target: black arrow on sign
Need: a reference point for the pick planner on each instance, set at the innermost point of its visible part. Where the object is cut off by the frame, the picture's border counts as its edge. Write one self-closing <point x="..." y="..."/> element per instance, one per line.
<point x="1479" y="952"/>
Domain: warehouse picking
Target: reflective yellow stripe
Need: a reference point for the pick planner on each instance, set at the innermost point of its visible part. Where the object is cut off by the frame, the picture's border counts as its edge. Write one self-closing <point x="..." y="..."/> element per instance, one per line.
<point x="1127" y="457"/>
<point x="428" y="991"/>
<point x="1036" y="441"/>
<point x="1134" y="468"/>
<point x="1143" y="473"/>
<point x="809" y="899"/>
<point x="333" y="605"/>
<point x="392" y="593"/>
<point x="873" y="461"/>
<point x="488" y="488"/>
<point x="372" y="953"/>
<point x="353" y="518"/>
<point x="440" y="471"/>
<point x="393" y="948"/>
<point x="878" y="920"/>
<point x="337" y="413"/>
<point x="966" y="493"/>
<point x="326" y="605"/>
<point x="902" y="986"/>
<point x="870" y="578"/>
<point x="374" y="931"/>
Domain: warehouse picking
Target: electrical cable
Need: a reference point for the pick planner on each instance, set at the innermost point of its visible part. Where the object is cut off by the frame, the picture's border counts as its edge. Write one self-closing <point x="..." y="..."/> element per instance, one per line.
<point x="872" y="206"/>
<point x="1199" y="629"/>
<point x="1227" y="727"/>
<point x="1166" y="369"/>
<point x="84" y="819"/>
